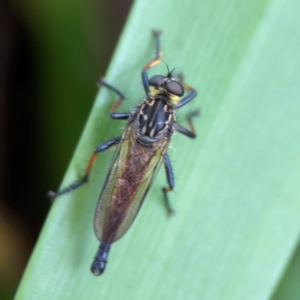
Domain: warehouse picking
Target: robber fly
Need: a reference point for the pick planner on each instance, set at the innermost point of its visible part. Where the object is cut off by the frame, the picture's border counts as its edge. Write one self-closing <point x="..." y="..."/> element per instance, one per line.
<point x="140" y="151"/>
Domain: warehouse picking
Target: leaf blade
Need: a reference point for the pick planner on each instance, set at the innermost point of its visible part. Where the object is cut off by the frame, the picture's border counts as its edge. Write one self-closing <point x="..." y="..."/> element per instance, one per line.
<point x="238" y="221"/>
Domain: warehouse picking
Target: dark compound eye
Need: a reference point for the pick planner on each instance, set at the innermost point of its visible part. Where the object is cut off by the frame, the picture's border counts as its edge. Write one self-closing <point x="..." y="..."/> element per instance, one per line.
<point x="157" y="80"/>
<point x="175" y="88"/>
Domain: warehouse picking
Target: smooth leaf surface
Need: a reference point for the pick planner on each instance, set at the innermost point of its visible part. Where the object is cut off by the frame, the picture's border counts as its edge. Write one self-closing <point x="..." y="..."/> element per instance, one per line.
<point x="236" y="196"/>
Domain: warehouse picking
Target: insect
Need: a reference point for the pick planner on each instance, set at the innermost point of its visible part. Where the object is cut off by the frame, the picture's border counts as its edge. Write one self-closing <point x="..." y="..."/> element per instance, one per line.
<point x="141" y="150"/>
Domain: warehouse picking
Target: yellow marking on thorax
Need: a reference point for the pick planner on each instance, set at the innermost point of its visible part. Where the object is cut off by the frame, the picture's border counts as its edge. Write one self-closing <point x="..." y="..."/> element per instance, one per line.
<point x="173" y="99"/>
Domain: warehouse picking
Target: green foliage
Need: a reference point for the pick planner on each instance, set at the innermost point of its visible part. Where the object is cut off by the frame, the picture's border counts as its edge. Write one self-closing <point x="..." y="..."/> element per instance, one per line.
<point x="237" y="185"/>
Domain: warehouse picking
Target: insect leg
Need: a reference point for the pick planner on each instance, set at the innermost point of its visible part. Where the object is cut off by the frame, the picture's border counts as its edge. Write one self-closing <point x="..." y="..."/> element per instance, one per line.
<point x="187" y="98"/>
<point x="170" y="178"/>
<point x="188" y="132"/>
<point x="119" y="116"/>
<point x="77" y="184"/>
<point x="153" y="62"/>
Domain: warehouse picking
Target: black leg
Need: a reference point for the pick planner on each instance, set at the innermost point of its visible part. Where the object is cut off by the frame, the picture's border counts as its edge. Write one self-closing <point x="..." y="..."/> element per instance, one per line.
<point x="170" y="178"/>
<point x="119" y="116"/>
<point x="153" y="62"/>
<point x="187" y="98"/>
<point x="188" y="132"/>
<point x="77" y="184"/>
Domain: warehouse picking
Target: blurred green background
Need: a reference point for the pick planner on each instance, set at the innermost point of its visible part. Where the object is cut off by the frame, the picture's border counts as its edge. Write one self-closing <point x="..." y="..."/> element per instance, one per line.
<point x="52" y="53"/>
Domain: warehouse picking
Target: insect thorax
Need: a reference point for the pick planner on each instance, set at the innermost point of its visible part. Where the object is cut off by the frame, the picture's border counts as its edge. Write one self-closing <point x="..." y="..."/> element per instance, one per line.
<point x="153" y="120"/>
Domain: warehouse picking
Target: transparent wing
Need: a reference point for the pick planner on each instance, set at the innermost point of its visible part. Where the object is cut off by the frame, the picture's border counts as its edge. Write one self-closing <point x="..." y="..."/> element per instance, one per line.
<point x="131" y="174"/>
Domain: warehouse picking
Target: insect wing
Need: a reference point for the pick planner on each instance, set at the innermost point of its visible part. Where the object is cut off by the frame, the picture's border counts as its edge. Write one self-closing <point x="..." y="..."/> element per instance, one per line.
<point x="130" y="177"/>
<point x="105" y="201"/>
<point x="141" y="193"/>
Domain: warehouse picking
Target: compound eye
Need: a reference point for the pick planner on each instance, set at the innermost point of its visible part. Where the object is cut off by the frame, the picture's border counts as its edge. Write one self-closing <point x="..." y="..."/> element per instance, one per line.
<point x="157" y="80"/>
<point x="175" y="88"/>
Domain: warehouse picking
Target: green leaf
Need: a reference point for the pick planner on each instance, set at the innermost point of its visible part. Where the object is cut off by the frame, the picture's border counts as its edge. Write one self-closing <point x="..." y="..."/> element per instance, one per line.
<point x="289" y="288"/>
<point x="237" y="192"/>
